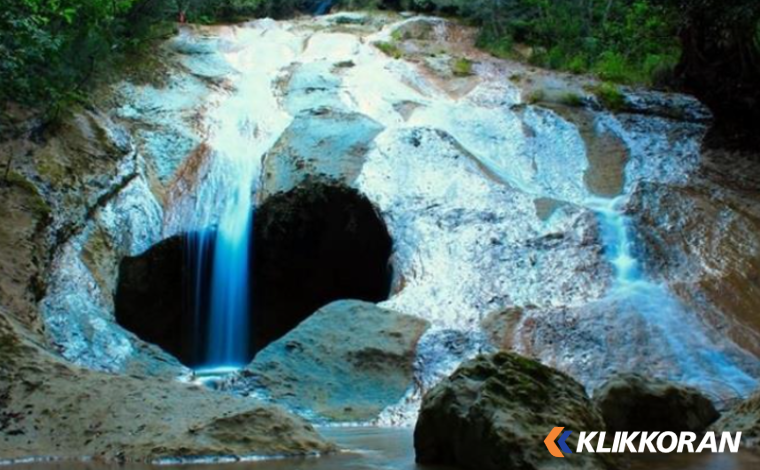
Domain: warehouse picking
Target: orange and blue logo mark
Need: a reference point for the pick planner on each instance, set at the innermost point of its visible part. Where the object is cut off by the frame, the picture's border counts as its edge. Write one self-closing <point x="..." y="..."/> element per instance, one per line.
<point x="552" y="446"/>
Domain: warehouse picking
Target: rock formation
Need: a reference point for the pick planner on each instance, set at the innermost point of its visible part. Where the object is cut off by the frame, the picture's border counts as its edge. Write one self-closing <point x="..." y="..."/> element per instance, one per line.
<point x="634" y="403"/>
<point x="51" y="409"/>
<point x="347" y="362"/>
<point x="483" y="203"/>
<point x="495" y="411"/>
<point x="744" y="418"/>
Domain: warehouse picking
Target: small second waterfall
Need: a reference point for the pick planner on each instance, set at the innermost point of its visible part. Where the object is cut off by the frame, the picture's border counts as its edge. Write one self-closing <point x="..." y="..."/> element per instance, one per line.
<point x="699" y="361"/>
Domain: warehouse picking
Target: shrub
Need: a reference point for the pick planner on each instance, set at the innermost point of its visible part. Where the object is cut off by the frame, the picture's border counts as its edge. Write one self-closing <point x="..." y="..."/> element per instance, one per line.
<point x="50" y="50"/>
<point x="610" y="96"/>
<point x="573" y="100"/>
<point x="390" y="49"/>
<point x="462" y="67"/>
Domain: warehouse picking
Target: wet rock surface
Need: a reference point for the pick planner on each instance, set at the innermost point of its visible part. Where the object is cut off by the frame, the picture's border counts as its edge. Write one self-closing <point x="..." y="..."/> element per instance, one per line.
<point x="744" y="418"/>
<point x="635" y="403"/>
<point x="702" y="238"/>
<point x="495" y="411"/>
<point x="346" y="362"/>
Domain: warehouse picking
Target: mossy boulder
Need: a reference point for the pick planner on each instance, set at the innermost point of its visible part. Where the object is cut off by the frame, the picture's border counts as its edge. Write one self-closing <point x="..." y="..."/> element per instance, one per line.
<point x="631" y="402"/>
<point x="495" y="412"/>
<point x="744" y="418"/>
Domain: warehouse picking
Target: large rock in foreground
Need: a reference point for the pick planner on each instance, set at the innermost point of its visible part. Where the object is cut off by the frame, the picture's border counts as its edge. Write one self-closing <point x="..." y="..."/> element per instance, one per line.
<point x="744" y="418"/>
<point x="495" y="411"/>
<point x="347" y="362"/>
<point x="631" y="402"/>
<point x="50" y="409"/>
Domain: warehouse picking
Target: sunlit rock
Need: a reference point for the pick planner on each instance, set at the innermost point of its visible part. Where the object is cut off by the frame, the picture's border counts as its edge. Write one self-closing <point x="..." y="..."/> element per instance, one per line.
<point x="319" y="144"/>
<point x="744" y="418"/>
<point x="346" y="362"/>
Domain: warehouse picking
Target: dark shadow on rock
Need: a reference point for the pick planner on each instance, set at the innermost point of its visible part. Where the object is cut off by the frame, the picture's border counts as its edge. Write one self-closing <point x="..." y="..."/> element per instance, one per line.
<point x="156" y="296"/>
<point x="313" y="245"/>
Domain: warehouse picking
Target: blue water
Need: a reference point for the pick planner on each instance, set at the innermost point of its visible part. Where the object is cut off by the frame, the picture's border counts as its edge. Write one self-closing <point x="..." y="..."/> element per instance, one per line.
<point x="323" y="7"/>
<point x="701" y="362"/>
<point x="228" y="329"/>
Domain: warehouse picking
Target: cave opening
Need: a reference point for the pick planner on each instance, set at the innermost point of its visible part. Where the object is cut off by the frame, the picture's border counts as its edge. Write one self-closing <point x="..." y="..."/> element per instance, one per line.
<point x="313" y="245"/>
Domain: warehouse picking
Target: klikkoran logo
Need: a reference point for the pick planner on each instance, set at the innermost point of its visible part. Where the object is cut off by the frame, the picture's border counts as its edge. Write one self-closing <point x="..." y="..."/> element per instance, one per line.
<point x="553" y="449"/>
<point x="638" y="442"/>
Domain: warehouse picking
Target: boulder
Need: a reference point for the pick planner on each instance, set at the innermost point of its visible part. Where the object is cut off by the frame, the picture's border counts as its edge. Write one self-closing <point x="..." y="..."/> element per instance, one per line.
<point x="744" y="418"/>
<point x="420" y="28"/>
<point x="631" y="402"/>
<point x="322" y="143"/>
<point x="495" y="412"/>
<point x="346" y="362"/>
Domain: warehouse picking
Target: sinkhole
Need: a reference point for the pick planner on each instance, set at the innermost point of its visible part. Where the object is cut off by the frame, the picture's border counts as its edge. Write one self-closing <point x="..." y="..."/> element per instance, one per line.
<point x="310" y="246"/>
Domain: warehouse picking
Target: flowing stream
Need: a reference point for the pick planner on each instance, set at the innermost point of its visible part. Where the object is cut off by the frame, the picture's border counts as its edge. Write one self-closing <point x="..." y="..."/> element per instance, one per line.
<point x="701" y="363"/>
<point x="368" y="448"/>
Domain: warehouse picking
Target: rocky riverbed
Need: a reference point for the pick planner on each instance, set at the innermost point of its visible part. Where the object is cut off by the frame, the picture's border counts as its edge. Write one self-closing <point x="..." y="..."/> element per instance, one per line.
<point x="492" y="178"/>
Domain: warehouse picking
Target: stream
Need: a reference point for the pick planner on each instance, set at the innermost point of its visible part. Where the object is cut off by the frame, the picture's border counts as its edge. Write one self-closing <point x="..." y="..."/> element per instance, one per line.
<point x="484" y="192"/>
<point x="367" y="448"/>
<point x="299" y="101"/>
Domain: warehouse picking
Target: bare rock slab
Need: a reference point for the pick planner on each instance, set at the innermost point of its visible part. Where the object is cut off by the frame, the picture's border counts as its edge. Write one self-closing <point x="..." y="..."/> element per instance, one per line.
<point x="346" y="362"/>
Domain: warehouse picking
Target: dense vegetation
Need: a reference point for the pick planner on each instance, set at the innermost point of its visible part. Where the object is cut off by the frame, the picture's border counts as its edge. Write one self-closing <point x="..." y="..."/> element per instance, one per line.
<point x="627" y="41"/>
<point x="50" y="49"/>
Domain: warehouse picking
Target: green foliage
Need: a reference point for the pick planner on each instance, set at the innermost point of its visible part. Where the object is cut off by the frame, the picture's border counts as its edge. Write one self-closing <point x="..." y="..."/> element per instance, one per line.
<point x="390" y="49"/>
<point x="610" y="96"/>
<point x="51" y="49"/>
<point x="501" y="47"/>
<point x="571" y="99"/>
<point x="462" y="67"/>
<point x="624" y="41"/>
<point x="536" y="96"/>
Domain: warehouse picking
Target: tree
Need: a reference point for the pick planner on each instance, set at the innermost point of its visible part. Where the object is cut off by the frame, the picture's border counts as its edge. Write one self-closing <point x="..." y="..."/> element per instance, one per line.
<point x="720" y="64"/>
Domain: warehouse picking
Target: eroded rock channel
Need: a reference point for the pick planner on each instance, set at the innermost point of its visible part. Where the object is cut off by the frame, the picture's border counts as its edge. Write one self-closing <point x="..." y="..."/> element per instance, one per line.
<point x="393" y="218"/>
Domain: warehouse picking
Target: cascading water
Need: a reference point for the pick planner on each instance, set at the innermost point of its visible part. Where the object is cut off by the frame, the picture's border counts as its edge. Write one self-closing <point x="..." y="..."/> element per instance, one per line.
<point x="457" y="175"/>
<point x="699" y="361"/>
<point x="246" y="123"/>
<point x="323" y="7"/>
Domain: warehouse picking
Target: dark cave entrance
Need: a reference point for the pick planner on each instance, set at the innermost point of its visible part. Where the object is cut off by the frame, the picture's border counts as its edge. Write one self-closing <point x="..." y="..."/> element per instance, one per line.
<point x="311" y="246"/>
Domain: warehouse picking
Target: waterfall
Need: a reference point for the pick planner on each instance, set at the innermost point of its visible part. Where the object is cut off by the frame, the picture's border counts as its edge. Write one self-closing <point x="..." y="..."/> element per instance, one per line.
<point x="700" y="362"/>
<point x="323" y="7"/>
<point x="246" y="120"/>
<point x="228" y="326"/>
